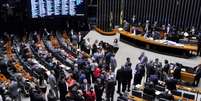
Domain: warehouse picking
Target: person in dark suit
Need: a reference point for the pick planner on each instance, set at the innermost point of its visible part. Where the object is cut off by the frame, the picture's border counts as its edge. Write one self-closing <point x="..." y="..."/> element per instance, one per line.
<point x="171" y="83"/>
<point x="62" y="89"/>
<point x="99" y="88"/>
<point x="199" y="44"/>
<point x="110" y="88"/>
<point x="150" y="69"/>
<point x="128" y="76"/>
<point x="149" y="89"/>
<point x="166" y="67"/>
<point x="143" y="58"/>
<point x="140" y="71"/>
<point x="177" y="72"/>
<point x="119" y="78"/>
<point x="197" y="70"/>
<point x="80" y="39"/>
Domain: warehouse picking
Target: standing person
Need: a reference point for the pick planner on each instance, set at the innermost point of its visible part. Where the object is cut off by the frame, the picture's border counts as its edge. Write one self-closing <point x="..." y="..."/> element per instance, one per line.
<point x="96" y="72"/>
<point x="128" y="76"/>
<point x="128" y="62"/>
<point x="80" y="39"/>
<point x="177" y="72"/>
<point x="90" y="95"/>
<point x="75" y="40"/>
<point x="115" y="45"/>
<point x="140" y="71"/>
<point x="99" y="88"/>
<point x="147" y="26"/>
<point x="107" y="58"/>
<point x="88" y="46"/>
<point x="166" y="67"/>
<point x="110" y="88"/>
<point x="143" y="58"/>
<point x="120" y="78"/>
<point x="199" y="44"/>
<point x="63" y="89"/>
<point x="14" y="91"/>
<point x="113" y="62"/>
<point x="94" y="47"/>
<point x="71" y="34"/>
<point x="53" y="84"/>
<point x="197" y="70"/>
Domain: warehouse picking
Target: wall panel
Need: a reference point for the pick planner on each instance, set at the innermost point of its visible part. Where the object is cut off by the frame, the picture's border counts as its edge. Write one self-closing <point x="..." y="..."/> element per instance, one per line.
<point x="181" y="13"/>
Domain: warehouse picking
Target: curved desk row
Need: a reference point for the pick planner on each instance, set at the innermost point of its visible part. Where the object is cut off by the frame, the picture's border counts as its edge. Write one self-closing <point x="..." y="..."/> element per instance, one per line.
<point x="153" y="42"/>
<point x="184" y="49"/>
<point x="106" y="33"/>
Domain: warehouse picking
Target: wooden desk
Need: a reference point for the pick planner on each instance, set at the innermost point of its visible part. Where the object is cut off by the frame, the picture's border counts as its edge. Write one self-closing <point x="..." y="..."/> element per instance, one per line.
<point x="188" y="77"/>
<point x="186" y="47"/>
<point x="113" y="32"/>
<point x="135" y="98"/>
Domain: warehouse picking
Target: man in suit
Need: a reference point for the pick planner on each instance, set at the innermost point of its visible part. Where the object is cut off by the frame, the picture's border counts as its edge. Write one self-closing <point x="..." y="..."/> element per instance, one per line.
<point x="197" y="70"/>
<point x="99" y="88"/>
<point x="128" y="76"/>
<point x="171" y="83"/>
<point x="63" y="89"/>
<point x="110" y="88"/>
<point x="149" y="89"/>
<point x="143" y="58"/>
<point x="140" y="71"/>
<point x="113" y="62"/>
<point x="80" y="39"/>
<point x="53" y="83"/>
<point x="166" y="67"/>
<point x="119" y="78"/>
<point x="177" y="71"/>
<point x="150" y="69"/>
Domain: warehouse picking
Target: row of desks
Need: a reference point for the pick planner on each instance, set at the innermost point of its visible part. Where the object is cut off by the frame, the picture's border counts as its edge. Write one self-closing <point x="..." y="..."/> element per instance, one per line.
<point x="185" y="49"/>
<point x="141" y="38"/>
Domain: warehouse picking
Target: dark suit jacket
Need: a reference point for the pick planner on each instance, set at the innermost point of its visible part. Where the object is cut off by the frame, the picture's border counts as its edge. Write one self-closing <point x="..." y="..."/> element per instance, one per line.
<point x="171" y="84"/>
<point x="120" y="75"/>
<point x="149" y="91"/>
<point x="128" y="73"/>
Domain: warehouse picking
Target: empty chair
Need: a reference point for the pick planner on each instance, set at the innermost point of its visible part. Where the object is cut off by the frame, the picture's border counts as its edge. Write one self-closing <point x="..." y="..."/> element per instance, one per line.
<point x="177" y="93"/>
<point x="148" y="97"/>
<point x="136" y="93"/>
<point x="189" y="96"/>
<point x="159" y="88"/>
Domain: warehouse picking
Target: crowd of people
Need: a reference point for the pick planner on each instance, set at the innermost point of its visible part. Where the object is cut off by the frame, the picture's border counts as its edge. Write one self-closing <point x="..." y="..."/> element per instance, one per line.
<point x="91" y="77"/>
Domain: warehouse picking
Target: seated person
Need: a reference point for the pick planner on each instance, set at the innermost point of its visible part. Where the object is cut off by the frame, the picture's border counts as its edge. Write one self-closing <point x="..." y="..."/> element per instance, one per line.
<point x="149" y="89"/>
<point x="166" y="95"/>
<point x="171" y="83"/>
<point x="156" y="35"/>
<point x="148" y="35"/>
